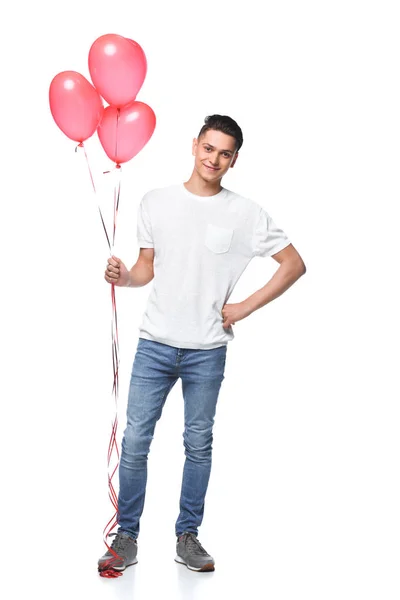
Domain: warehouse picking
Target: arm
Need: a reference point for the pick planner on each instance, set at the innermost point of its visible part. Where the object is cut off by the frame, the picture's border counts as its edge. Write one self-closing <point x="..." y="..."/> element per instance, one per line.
<point x="291" y="268"/>
<point x="142" y="271"/>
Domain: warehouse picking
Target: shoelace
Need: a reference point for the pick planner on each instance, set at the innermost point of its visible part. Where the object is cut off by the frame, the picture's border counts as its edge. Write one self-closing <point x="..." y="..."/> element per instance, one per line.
<point x="194" y="545"/>
<point x="120" y="542"/>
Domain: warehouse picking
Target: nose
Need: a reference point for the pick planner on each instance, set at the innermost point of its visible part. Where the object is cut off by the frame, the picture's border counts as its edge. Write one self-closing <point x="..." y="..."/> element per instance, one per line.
<point x="214" y="160"/>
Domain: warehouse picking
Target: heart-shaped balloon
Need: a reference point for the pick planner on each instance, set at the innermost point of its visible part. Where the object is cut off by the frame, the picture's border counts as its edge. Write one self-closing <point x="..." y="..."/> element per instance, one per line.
<point x="123" y="132"/>
<point x="118" y="67"/>
<point x="75" y="105"/>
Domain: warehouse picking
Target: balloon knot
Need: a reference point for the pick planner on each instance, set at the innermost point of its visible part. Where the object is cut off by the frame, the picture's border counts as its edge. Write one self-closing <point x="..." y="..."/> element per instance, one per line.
<point x="117" y="166"/>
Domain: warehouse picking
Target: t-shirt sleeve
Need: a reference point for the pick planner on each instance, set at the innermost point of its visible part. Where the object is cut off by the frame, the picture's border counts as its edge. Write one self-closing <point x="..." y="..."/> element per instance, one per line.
<point x="144" y="232"/>
<point x="268" y="238"/>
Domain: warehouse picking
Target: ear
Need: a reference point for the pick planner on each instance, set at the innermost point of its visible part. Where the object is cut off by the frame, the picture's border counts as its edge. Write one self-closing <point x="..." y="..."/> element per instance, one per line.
<point x="194" y="146"/>
<point x="234" y="160"/>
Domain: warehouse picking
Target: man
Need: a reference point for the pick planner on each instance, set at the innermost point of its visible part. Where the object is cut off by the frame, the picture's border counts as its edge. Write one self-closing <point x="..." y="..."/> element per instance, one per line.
<point x="196" y="238"/>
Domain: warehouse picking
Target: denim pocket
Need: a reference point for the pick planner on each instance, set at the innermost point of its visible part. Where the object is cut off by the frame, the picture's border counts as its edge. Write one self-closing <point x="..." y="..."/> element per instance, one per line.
<point x="218" y="239"/>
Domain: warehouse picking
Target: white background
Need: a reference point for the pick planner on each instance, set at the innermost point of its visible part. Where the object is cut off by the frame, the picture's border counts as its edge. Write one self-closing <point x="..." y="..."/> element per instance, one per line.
<point x="303" y="500"/>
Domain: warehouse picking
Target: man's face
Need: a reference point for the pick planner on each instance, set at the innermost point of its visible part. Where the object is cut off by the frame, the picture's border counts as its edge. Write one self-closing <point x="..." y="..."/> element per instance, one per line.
<point x="214" y="154"/>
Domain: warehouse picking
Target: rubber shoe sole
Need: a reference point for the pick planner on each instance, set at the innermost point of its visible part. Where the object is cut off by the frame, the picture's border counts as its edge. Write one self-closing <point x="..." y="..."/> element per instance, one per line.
<point x="101" y="567"/>
<point x="207" y="567"/>
<point x="123" y="568"/>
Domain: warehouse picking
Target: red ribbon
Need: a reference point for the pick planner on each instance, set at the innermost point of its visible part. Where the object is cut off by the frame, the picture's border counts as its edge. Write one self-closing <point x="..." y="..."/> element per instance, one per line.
<point x="107" y="569"/>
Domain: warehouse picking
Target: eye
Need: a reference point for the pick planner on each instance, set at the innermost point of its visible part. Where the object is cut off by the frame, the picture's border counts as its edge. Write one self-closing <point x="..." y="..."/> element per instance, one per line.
<point x="207" y="148"/>
<point x="227" y="155"/>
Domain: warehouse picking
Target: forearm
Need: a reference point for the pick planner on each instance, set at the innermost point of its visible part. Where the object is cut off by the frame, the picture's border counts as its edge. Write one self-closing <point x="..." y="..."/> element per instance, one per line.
<point x="140" y="275"/>
<point x="285" y="276"/>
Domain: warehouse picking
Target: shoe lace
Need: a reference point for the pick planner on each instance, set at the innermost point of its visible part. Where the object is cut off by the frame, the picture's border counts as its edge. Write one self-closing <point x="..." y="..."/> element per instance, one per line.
<point x="120" y="542"/>
<point x="194" y="545"/>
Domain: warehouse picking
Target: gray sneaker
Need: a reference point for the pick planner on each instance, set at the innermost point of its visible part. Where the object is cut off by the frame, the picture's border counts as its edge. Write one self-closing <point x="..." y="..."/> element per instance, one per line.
<point x="191" y="553"/>
<point x="126" y="547"/>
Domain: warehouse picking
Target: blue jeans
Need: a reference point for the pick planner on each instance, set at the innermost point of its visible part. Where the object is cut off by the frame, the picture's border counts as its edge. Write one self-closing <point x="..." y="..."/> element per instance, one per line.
<point x="155" y="370"/>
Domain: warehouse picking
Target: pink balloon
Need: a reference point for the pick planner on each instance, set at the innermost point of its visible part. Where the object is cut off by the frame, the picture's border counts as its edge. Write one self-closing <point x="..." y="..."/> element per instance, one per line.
<point x="75" y="105"/>
<point x="124" y="138"/>
<point x="118" y="68"/>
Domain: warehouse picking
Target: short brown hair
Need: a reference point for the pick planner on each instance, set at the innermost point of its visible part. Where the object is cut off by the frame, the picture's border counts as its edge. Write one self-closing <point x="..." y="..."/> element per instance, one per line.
<point x="226" y="125"/>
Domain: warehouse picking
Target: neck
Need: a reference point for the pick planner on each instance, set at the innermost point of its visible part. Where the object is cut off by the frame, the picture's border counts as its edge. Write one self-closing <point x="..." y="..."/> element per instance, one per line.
<point x="201" y="187"/>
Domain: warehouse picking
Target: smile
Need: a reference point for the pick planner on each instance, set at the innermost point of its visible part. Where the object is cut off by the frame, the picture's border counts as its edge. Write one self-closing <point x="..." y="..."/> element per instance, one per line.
<point x="212" y="168"/>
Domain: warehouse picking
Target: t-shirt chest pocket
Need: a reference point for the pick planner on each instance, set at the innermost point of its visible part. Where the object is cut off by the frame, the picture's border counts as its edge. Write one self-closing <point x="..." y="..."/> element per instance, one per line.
<point x="218" y="239"/>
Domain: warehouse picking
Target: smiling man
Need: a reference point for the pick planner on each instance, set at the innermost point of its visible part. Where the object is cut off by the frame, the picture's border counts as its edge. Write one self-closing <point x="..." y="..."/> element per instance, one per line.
<point x="196" y="239"/>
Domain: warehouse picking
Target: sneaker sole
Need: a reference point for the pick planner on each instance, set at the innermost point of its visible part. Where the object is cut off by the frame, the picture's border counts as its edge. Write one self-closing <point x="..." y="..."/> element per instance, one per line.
<point x="119" y="568"/>
<point x="206" y="567"/>
<point x="123" y="568"/>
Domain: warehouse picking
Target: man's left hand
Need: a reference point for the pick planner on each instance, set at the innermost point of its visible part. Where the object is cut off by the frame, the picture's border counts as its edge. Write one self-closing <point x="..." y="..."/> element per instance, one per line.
<point x="234" y="312"/>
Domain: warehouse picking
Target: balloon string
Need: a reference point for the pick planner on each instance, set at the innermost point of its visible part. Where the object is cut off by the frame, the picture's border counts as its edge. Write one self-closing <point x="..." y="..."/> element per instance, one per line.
<point x="117" y="164"/>
<point x="107" y="569"/>
<point x="116" y="136"/>
<point x="117" y="193"/>
<point x="81" y="145"/>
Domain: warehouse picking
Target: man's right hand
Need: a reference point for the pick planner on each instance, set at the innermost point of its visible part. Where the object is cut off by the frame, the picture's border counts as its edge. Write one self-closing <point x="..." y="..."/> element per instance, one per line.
<point x="116" y="272"/>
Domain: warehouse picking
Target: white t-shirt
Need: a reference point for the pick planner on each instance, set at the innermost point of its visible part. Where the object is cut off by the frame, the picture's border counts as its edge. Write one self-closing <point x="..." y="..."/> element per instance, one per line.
<point x="202" y="245"/>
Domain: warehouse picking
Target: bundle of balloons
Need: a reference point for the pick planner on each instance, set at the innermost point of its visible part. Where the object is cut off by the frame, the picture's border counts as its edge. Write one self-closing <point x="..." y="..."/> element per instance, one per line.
<point x="117" y="67"/>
